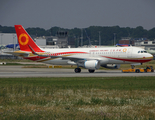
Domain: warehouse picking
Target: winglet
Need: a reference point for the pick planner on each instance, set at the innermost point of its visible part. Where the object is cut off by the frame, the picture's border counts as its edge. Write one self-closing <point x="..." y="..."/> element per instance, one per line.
<point x="32" y="50"/>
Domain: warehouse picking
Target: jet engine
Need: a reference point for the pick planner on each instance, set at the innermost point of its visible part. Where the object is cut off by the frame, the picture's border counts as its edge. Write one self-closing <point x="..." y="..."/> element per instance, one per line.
<point x="92" y="64"/>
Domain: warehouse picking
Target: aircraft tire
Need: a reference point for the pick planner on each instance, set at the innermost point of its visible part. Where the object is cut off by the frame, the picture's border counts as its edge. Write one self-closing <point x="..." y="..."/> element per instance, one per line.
<point x="91" y="71"/>
<point x="137" y="71"/>
<point x="77" y="70"/>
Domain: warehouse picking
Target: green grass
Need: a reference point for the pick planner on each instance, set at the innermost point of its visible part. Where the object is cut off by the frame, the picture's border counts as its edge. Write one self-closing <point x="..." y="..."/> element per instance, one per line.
<point x="78" y="98"/>
<point x="119" y="83"/>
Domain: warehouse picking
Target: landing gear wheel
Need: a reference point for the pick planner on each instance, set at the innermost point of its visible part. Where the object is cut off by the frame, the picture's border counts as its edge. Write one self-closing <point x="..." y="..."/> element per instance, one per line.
<point x="77" y="70"/>
<point x="91" y="71"/>
<point x="137" y="71"/>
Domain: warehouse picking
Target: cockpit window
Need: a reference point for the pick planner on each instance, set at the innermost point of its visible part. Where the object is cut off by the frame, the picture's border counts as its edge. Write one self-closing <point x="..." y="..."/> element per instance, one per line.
<point x="145" y="51"/>
<point x="142" y="51"/>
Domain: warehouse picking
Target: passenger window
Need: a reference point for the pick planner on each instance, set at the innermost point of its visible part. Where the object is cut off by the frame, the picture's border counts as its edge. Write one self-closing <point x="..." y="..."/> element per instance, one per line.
<point x="138" y="51"/>
<point x="141" y="51"/>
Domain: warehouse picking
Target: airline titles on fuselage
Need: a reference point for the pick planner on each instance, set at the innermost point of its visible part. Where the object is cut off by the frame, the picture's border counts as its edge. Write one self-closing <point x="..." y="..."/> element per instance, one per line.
<point x="110" y="50"/>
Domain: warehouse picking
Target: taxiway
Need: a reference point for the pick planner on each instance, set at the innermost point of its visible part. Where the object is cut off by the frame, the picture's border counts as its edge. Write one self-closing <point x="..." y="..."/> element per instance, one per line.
<point x="19" y="71"/>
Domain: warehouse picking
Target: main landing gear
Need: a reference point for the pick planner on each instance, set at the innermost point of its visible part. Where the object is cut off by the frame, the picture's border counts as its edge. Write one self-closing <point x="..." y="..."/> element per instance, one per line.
<point x="91" y="71"/>
<point x="78" y="70"/>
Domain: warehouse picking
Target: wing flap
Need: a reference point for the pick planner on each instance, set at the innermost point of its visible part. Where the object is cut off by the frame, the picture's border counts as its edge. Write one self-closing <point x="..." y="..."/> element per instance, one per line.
<point x="18" y="53"/>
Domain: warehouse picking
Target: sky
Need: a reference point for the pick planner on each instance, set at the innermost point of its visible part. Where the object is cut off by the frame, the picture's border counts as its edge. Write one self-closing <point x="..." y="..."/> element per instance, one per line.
<point x="78" y="13"/>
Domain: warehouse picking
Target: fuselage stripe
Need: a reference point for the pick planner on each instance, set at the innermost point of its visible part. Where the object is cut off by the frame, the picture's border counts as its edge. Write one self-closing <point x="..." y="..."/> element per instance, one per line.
<point x="138" y="60"/>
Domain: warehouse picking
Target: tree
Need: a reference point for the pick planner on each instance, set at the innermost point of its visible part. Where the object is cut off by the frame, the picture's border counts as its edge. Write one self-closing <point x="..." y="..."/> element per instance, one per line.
<point x="151" y="34"/>
<point x="139" y="32"/>
<point x="91" y="33"/>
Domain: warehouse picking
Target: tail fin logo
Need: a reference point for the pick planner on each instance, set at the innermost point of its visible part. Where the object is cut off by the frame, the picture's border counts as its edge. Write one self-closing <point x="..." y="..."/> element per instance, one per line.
<point x="23" y="41"/>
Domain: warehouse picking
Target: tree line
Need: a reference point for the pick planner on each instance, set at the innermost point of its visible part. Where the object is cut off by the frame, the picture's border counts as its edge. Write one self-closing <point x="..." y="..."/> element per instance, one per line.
<point x="90" y="34"/>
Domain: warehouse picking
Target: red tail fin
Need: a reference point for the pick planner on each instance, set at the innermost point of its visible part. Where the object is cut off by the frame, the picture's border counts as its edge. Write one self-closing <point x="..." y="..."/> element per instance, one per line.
<point x="24" y="40"/>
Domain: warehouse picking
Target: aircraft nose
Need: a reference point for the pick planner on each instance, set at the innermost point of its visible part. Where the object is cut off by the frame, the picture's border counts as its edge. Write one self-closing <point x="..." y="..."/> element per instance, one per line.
<point x="150" y="56"/>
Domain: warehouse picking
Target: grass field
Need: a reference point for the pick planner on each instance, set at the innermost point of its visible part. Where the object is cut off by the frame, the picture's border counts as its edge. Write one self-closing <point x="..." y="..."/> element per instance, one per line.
<point x="119" y="98"/>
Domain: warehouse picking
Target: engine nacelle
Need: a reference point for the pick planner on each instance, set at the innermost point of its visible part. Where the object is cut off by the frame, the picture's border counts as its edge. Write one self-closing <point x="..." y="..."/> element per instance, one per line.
<point x="112" y="66"/>
<point x="92" y="64"/>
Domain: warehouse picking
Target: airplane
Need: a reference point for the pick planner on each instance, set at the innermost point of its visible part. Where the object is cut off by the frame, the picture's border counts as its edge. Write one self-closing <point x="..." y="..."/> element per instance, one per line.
<point x="89" y="58"/>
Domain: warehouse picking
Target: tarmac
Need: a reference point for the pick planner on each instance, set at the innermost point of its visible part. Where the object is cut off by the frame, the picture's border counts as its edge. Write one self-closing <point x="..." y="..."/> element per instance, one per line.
<point x="18" y="71"/>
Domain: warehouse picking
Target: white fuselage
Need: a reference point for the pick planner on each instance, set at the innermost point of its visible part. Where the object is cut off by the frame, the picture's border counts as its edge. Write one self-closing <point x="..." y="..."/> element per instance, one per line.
<point x="89" y="58"/>
<point x="109" y="55"/>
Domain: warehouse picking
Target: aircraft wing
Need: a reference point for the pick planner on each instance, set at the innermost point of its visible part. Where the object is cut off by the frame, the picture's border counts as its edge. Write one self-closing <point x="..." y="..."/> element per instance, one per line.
<point x="18" y="53"/>
<point x="65" y="57"/>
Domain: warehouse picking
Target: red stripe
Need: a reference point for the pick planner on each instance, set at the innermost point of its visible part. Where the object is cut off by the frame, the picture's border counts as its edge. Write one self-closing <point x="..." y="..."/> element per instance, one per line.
<point x="130" y="60"/>
<point x="35" y="58"/>
<point x="70" y="52"/>
<point x="61" y="53"/>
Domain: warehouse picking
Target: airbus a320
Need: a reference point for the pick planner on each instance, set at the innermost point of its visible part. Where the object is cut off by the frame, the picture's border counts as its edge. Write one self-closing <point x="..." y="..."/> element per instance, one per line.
<point x="88" y="58"/>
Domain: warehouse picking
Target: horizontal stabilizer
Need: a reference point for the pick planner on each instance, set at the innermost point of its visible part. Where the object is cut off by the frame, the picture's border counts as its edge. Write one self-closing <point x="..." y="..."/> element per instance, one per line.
<point x="18" y="53"/>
